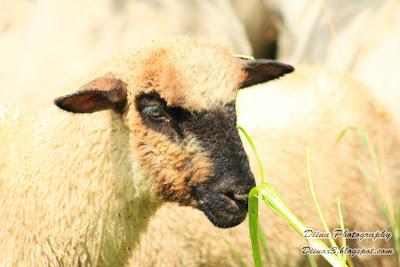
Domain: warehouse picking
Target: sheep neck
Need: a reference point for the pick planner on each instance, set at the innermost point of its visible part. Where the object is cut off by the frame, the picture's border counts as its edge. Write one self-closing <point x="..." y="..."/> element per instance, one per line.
<point x="83" y="196"/>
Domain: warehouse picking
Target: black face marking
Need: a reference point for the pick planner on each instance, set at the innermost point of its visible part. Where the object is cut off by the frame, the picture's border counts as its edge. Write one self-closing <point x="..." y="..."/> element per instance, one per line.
<point x="222" y="197"/>
<point x="159" y="117"/>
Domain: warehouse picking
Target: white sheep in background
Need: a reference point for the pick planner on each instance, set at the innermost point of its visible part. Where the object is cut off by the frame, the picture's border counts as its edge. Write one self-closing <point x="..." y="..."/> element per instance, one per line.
<point x="261" y="25"/>
<point x="307" y="108"/>
<point x="357" y="36"/>
<point x="362" y="37"/>
<point x="45" y="44"/>
<point x="78" y="189"/>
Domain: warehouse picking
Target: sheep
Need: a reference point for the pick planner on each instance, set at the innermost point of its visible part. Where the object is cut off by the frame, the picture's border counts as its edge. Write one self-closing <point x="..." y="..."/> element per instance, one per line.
<point x="334" y="35"/>
<point x="307" y="108"/>
<point x="36" y="36"/>
<point x="260" y="23"/>
<point x="79" y="189"/>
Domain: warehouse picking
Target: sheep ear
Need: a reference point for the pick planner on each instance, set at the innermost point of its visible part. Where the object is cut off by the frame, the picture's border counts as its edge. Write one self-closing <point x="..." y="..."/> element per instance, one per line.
<point x="106" y="92"/>
<point x="263" y="70"/>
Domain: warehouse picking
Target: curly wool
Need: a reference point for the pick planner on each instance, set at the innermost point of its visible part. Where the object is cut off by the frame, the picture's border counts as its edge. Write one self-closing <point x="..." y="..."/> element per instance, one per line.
<point x="77" y="190"/>
<point x="55" y="216"/>
<point x="306" y="109"/>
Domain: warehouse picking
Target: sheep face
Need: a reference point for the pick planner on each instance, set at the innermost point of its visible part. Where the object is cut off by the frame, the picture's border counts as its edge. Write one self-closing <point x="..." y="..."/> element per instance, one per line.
<point x="180" y="111"/>
<point x="196" y="157"/>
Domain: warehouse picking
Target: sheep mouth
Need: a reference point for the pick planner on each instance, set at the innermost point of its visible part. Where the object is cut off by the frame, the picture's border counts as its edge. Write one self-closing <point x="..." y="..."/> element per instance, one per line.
<point x="222" y="210"/>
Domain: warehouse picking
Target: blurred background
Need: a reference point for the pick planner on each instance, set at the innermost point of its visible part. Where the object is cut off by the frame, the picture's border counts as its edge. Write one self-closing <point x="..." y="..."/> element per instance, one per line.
<point x="45" y="44"/>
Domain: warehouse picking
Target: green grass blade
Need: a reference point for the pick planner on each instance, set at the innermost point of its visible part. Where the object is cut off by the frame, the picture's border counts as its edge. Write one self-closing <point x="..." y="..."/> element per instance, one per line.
<point x="271" y="197"/>
<point x="263" y="243"/>
<point x="396" y="232"/>
<point x="367" y="176"/>
<point x="366" y="143"/>
<point x="341" y="221"/>
<point x="253" y="147"/>
<point x="391" y="215"/>
<point x="253" y="226"/>
<point x="314" y="196"/>
<point x="312" y="261"/>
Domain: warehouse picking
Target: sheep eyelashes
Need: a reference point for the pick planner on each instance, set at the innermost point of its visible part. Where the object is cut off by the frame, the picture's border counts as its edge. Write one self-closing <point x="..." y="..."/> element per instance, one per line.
<point x="108" y="92"/>
<point x="80" y="189"/>
<point x="220" y="196"/>
<point x="202" y="162"/>
<point x="284" y="118"/>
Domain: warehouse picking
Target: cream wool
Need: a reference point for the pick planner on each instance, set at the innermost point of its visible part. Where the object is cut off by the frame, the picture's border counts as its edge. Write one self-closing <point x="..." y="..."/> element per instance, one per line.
<point x="62" y="210"/>
<point x="78" y="189"/>
<point x="73" y="189"/>
<point x="186" y="72"/>
<point x="307" y="108"/>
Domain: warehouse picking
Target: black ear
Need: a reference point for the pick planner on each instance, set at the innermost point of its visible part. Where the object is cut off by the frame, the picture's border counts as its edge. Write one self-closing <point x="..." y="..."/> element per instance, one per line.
<point x="263" y="70"/>
<point x="106" y="92"/>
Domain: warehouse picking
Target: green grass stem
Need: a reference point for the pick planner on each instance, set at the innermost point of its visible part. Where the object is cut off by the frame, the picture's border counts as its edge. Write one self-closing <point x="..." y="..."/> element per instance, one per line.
<point x="271" y="197"/>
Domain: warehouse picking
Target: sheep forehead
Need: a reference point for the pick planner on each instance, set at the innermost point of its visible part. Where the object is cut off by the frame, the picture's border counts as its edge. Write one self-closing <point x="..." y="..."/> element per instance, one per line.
<point x="190" y="75"/>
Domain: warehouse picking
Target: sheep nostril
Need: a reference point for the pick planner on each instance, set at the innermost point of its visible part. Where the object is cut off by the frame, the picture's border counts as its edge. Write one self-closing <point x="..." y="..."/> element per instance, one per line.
<point x="240" y="197"/>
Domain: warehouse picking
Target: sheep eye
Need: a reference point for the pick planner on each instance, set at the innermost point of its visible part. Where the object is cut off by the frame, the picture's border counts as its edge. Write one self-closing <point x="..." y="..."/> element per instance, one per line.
<point x="156" y="114"/>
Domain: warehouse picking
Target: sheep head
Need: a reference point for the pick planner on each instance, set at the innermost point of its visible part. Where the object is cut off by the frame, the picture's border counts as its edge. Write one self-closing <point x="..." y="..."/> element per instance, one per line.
<point x="178" y="101"/>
